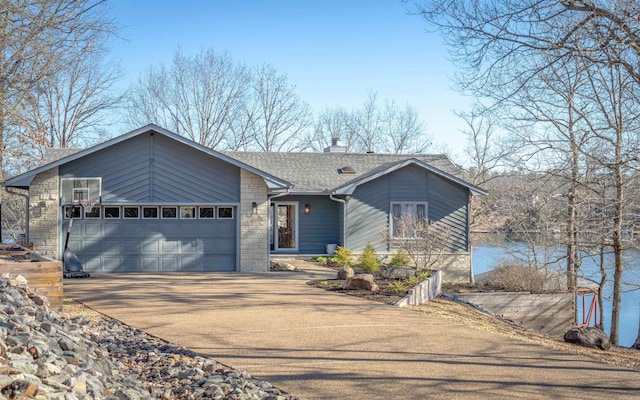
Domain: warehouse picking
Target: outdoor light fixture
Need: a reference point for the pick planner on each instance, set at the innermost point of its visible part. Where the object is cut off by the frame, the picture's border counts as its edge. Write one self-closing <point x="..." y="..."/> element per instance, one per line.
<point x="254" y="205"/>
<point x="307" y="209"/>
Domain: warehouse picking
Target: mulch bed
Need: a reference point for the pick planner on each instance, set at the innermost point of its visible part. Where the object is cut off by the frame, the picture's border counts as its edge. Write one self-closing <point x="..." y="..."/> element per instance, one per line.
<point x="388" y="296"/>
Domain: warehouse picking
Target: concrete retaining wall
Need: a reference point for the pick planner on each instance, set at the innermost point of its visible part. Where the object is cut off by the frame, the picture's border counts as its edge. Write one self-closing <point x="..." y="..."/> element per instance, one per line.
<point x="424" y="291"/>
<point x="551" y="313"/>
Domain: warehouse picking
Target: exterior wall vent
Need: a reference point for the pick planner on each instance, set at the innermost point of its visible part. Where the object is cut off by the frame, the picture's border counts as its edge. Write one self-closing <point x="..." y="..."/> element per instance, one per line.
<point x="347" y="170"/>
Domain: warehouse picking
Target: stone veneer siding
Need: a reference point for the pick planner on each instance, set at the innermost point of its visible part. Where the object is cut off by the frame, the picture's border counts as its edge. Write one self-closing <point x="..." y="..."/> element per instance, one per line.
<point x="43" y="213"/>
<point x="254" y="228"/>
<point x="455" y="267"/>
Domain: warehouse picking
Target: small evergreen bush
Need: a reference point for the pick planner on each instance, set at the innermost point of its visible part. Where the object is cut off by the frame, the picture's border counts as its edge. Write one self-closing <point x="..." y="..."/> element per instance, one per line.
<point x="400" y="258"/>
<point x="342" y="256"/>
<point x="368" y="260"/>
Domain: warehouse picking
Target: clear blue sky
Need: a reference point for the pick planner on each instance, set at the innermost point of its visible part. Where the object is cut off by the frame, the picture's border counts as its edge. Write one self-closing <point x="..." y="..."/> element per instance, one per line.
<point x="333" y="51"/>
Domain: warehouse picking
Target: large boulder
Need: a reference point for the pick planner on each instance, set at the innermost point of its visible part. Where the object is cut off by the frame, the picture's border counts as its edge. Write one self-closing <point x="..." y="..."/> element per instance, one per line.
<point x="589" y="337"/>
<point x="400" y="272"/>
<point x="360" y="282"/>
<point x="345" y="272"/>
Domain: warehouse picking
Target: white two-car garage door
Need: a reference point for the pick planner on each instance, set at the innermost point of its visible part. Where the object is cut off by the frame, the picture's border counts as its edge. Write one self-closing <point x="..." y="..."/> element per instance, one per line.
<point x="154" y="238"/>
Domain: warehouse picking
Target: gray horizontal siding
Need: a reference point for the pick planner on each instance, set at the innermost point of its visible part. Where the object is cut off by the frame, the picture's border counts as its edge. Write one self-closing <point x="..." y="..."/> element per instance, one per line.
<point x="368" y="215"/>
<point x="321" y="226"/>
<point x="449" y="203"/>
<point x="156" y="169"/>
<point x="368" y="208"/>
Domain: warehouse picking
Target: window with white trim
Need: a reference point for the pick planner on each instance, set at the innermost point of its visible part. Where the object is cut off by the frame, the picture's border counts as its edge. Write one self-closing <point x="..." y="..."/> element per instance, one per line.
<point x="72" y="212"/>
<point x="405" y="216"/>
<point x="150" y="212"/>
<point x="95" y="213"/>
<point x="187" y="212"/>
<point x="207" y="212"/>
<point x="225" y="212"/>
<point x="111" y="212"/>
<point x="131" y="212"/>
<point x="169" y="212"/>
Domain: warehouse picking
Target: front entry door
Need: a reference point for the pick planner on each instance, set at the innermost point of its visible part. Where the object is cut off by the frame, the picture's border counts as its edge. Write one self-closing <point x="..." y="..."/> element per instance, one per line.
<point x="285" y="226"/>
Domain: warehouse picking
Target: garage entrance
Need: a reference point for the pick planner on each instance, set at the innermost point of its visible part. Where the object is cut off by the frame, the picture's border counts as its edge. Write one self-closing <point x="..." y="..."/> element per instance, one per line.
<point x="154" y="238"/>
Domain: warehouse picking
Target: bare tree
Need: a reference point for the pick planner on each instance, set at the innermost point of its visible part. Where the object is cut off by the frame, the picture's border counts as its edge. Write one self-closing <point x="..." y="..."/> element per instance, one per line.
<point x="277" y="117"/>
<point x="36" y="37"/>
<point x="402" y="130"/>
<point x="376" y="128"/>
<point x="69" y="107"/>
<point x="333" y="124"/>
<point x="425" y="241"/>
<point x="196" y="96"/>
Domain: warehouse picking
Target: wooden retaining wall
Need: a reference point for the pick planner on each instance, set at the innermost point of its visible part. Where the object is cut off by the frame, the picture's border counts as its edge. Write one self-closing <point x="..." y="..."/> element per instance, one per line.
<point x="44" y="276"/>
<point x="551" y="313"/>
<point x="424" y="291"/>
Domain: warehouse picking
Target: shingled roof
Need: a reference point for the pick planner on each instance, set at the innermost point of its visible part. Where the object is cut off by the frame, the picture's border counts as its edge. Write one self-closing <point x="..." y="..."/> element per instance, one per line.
<point x="314" y="173"/>
<point x="320" y="172"/>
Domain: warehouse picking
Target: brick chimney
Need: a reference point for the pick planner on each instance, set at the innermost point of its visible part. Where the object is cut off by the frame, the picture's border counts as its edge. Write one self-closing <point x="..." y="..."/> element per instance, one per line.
<point x="335" y="147"/>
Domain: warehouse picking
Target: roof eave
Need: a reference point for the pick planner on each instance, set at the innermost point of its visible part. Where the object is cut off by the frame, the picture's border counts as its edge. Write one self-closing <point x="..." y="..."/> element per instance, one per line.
<point x="350" y="187"/>
<point x="271" y="181"/>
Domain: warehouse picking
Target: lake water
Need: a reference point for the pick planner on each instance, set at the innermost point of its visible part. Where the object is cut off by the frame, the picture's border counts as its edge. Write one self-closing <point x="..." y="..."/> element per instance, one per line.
<point x="486" y="256"/>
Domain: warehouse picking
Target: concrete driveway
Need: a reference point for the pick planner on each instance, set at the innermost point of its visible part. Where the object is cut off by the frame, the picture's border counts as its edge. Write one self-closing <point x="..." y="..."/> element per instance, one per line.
<point x="323" y="345"/>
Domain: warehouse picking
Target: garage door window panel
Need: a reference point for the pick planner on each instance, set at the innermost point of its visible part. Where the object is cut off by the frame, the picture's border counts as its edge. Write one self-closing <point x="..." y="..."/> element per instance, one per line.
<point x="207" y="212"/>
<point x="225" y="212"/>
<point x="112" y="212"/>
<point x="169" y="212"/>
<point x="95" y="213"/>
<point x="131" y="212"/>
<point x="150" y="212"/>
<point x="187" y="212"/>
<point x="72" y="212"/>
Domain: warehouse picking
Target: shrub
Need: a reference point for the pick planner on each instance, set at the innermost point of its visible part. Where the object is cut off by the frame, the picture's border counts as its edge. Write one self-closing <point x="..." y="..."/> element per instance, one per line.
<point x="368" y="260"/>
<point x="342" y="256"/>
<point x="400" y="257"/>
<point x="399" y="286"/>
<point x="421" y="276"/>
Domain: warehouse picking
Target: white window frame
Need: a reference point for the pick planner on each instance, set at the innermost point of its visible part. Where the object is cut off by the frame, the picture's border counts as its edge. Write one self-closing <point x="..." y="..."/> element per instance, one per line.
<point x="167" y="207"/>
<point x="88" y="216"/>
<point x="119" y="212"/>
<point x="412" y="206"/>
<point x="209" y="207"/>
<point x="218" y="212"/>
<point x="150" y="208"/>
<point x="124" y="212"/>
<point x="75" y="208"/>
<point x="193" y="209"/>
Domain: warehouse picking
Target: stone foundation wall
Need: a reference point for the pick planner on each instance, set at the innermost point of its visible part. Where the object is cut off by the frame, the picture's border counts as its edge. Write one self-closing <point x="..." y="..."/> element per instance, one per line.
<point x="455" y="267"/>
<point x="44" y="211"/>
<point x="254" y="224"/>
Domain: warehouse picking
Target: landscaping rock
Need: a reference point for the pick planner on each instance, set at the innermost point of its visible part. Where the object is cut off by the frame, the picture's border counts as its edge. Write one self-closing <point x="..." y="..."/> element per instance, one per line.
<point x="46" y="355"/>
<point x="400" y="272"/>
<point x="345" y="272"/>
<point x="360" y="282"/>
<point x="282" y="266"/>
<point x="588" y="337"/>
